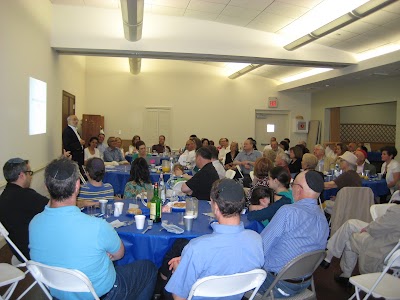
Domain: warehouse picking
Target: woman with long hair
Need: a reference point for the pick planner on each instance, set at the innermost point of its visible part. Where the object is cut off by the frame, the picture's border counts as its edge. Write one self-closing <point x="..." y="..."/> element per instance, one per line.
<point x="139" y="179"/>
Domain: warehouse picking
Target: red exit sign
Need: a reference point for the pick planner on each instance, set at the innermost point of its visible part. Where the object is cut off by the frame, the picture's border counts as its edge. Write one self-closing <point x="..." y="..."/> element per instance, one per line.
<point x="272" y="102"/>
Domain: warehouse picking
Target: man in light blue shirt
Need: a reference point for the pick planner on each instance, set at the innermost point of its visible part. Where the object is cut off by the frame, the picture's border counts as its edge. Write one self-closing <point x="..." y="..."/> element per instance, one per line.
<point x="112" y="153"/>
<point x="228" y="250"/>
<point x="63" y="236"/>
<point x="294" y="230"/>
<point x="101" y="145"/>
<point x="245" y="160"/>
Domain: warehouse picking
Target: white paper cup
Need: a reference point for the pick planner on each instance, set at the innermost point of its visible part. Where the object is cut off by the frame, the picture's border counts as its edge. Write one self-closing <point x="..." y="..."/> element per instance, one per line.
<point x="103" y="204"/>
<point x="188" y="221"/>
<point x="140" y="221"/>
<point x="118" y="208"/>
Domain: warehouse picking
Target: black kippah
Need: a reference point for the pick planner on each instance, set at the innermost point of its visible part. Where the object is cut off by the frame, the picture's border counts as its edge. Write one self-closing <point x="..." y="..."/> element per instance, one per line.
<point x="314" y="181"/>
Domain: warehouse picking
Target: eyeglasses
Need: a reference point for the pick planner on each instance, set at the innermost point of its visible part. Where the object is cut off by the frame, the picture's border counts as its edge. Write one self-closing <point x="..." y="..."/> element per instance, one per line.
<point x="29" y="172"/>
<point x="293" y="184"/>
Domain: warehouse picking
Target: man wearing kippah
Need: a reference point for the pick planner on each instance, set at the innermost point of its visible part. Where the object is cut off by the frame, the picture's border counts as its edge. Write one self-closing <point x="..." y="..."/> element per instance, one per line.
<point x="19" y="203"/>
<point x="294" y="230"/>
<point x="228" y="250"/>
<point x="362" y="165"/>
<point x="63" y="236"/>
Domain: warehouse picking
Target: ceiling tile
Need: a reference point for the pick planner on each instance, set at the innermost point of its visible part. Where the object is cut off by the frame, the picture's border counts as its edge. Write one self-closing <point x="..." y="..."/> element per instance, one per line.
<point x="326" y="41"/>
<point x="165" y="10"/>
<point x="204" y="6"/>
<point x="286" y="10"/>
<point x="273" y="19"/>
<point x="258" y="25"/>
<point x="235" y="11"/>
<point x="251" y="4"/>
<point x="342" y="35"/>
<point x="68" y="2"/>
<point x="201" y="15"/>
<point x="171" y="3"/>
<point x="359" y="27"/>
<point x="233" y="20"/>
<point x="303" y="3"/>
<point x="393" y="8"/>
<point x="103" y="3"/>
<point x="380" y="17"/>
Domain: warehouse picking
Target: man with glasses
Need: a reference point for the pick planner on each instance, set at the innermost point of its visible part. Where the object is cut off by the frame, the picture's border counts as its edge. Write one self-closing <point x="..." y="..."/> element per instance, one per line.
<point x="112" y="153"/>
<point x="294" y="230"/>
<point x="19" y="203"/>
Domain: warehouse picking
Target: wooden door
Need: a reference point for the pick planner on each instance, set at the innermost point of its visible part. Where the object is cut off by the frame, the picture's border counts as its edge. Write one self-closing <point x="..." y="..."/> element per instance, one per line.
<point x="91" y="126"/>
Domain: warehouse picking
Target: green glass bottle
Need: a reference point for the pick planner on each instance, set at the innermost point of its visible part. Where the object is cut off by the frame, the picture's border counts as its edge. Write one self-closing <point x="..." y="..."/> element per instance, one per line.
<point x="155" y="206"/>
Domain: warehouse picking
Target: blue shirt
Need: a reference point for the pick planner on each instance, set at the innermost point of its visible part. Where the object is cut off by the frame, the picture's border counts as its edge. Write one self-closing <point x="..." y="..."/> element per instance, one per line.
<point x="65" y="237"/>
<point x="91" y="192"/>
<point x="295" y="229"/>
<point x="252" y="156"/>
<point x="102" y="147"/>
<point x="113" y="155"/>
<point x="228" y="250"/>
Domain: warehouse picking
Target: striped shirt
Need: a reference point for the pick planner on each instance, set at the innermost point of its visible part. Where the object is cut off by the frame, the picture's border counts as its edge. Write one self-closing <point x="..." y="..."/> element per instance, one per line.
<point x="295" y="229"/>
<point x="91" y="192"/>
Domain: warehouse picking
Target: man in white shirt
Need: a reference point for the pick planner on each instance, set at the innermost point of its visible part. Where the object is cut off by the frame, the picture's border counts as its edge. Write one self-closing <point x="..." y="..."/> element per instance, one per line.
<point x="188" y="158"/>
<point x="224" y="142"/>
<point x="216" y="163"/>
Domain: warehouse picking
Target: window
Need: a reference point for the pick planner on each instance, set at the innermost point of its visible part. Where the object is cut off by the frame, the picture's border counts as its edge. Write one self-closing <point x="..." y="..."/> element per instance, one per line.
<point x="37" y="106"/>
<point x="270" y="127"/>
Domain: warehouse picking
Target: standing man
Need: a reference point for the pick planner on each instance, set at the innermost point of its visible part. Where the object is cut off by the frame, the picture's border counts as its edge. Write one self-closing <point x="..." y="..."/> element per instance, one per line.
<point x="161" y="147"/>
<point x="63" y="236"/>
<point x="228" y="250"/>
<point x="19" y="203"/>
<point x="72" y="140"/>
<point x="294" y="230"/>
<point x="246" y="159"/>
<point x="101" y="144"/>
<point x="199" y="185"/>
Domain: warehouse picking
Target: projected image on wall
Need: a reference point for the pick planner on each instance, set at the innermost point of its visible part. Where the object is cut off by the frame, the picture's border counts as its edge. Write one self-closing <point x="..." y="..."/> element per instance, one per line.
<point x="37" y="106"/>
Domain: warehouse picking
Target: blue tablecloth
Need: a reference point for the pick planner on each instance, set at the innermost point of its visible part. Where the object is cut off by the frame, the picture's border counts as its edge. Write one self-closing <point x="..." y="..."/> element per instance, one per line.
<point x="119" y="176"/>
<point x="378" y="187"/>
<point x="128" y="157"/>
<point x="154" y="244"/>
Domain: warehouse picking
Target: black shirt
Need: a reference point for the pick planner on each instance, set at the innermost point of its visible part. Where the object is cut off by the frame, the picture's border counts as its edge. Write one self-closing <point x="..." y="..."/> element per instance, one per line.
<point x="18" y="206"/>
<point x="202" y="181"/>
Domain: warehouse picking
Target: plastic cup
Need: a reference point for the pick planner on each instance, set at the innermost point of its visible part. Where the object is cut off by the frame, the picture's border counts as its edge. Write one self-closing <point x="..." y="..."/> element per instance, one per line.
<point x="192" y="207"/>
<point x="108" y="210"/>
<point x="91" y="210"/>
<point x="188" y="221"/>
<point x="118" y="208"/>
<point x="103" y="205"/>
<point x="140" y="221"/>
<point x="379" y="176"/>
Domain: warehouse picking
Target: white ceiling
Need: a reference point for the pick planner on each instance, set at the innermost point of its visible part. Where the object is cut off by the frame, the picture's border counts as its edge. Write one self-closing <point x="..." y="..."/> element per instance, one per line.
<point x="276" y="16"/>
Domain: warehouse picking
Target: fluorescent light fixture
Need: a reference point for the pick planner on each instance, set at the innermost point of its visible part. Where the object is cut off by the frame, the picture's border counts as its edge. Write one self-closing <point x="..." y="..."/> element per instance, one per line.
<point x="309" y="73"/>
<point x="342" y="21"/>
<point x="378" y="51"/>
<point x="243" y="71"/>
<point x="134" y="65"/>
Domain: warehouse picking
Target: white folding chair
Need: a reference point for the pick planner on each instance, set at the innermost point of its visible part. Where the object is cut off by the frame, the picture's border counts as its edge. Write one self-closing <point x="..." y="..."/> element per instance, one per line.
<point x="378" y="210"/>
<point x="230" y="174"/>
<point x="395" y="197"/>
<point x="61" y="278"/>
<point x="379" y="284"/>
<point x="9" y="275"/>
<point x="240" y="171"/>
<point x="228" y="285"/>
<point x="15" y="261"/>
<point x="251" y="175"/>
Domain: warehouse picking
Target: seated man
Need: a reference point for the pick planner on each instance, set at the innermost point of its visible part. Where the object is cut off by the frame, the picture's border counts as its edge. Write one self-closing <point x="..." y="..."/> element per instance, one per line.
<point x="95" y="189"/>
<point x="370" y="243"/>
<point x="188" y="158"/>
<point x="112" y="153"/>
<point x="246" y="159"/>
<point x="230" y="249"/>
<point x="216" y="163"/>
<point x="294" y="230"/>
<point x="362" y="165"/>
<point x="199" y="185"/>
<point x="161" y="147"/>
<point x="19" y="203"/>
<point x="63" y="236"/>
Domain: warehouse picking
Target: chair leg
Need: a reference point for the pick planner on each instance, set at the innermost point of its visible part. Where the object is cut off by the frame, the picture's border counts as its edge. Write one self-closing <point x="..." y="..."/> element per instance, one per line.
<point x="10" y="291"/>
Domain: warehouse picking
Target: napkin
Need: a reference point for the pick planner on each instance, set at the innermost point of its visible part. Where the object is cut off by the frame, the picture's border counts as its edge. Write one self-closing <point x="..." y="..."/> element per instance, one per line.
<point x="117" y="223"/>
<point x="172" y="228"/>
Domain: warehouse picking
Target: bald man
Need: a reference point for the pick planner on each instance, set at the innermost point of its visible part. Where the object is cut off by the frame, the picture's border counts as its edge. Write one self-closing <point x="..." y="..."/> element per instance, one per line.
<point x="294" y="230"/>
<point x="72" y="140"/>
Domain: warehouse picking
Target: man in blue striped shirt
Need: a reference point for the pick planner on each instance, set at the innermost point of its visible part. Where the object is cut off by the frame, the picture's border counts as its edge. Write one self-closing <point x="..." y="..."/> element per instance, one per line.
<point x="294" y="230"/>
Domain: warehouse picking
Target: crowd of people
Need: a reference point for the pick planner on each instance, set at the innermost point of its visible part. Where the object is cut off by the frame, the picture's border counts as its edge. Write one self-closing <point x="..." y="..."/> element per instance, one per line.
<point x="283" y="184"/>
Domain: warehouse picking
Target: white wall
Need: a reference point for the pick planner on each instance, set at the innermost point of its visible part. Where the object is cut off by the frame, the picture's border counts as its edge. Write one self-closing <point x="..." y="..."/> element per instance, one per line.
<point x="203" y="101"/>
<point x="382" y="113"/>
<point x="25" y="52"/>
<point x="366" y="92"/>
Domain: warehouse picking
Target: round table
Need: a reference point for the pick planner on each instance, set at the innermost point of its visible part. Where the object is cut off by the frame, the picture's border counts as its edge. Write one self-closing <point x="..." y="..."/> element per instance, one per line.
<point x="378" y="187"/>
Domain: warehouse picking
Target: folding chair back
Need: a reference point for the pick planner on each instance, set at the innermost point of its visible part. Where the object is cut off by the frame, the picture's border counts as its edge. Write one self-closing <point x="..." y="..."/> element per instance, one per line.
<point x="61" y="278"/>
<point x="230" y="174"/>
<point x="395" y="197"/>
<point x="378" y="210"/>
<point x="228" y="285"/>
<point x="351" y="203"/>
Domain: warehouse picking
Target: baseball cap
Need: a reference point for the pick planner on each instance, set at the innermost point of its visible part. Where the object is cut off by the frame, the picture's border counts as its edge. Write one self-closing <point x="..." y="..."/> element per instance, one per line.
<point x="230" y="190"/>
<point x="349" y="157"/>
<point x="314" y="181"/>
